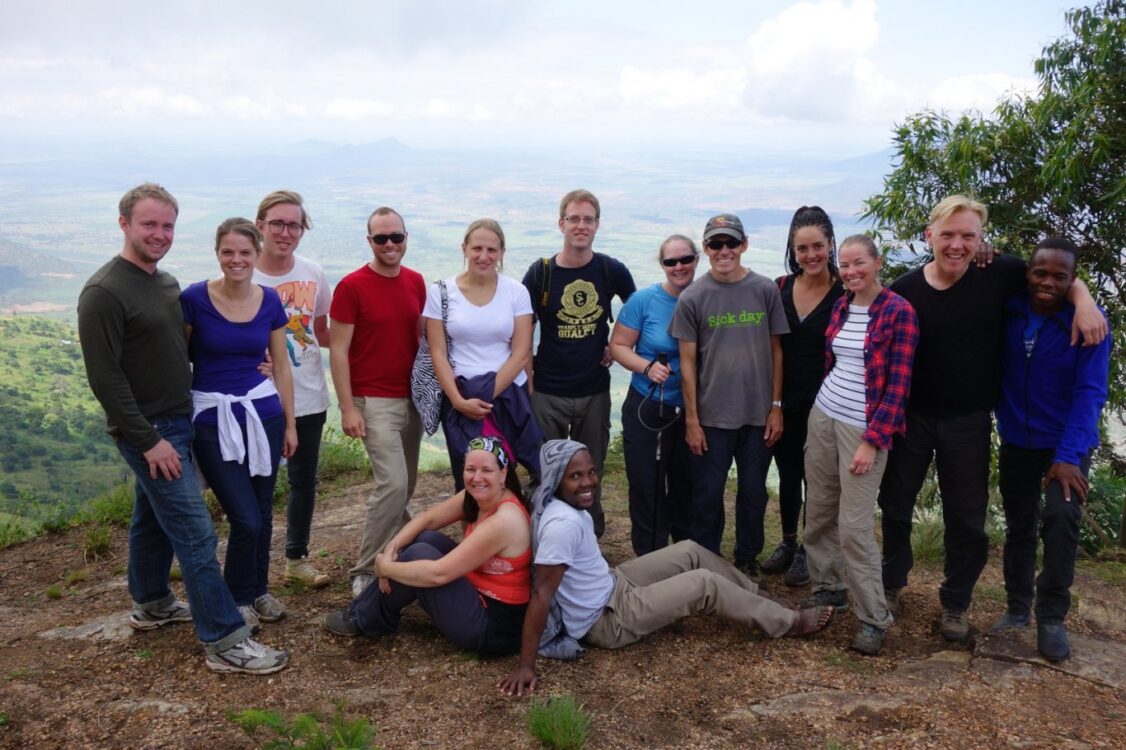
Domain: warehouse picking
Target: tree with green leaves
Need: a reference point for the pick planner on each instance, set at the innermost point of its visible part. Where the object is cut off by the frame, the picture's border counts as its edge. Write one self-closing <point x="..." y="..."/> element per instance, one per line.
<point x="1049" y="163"/>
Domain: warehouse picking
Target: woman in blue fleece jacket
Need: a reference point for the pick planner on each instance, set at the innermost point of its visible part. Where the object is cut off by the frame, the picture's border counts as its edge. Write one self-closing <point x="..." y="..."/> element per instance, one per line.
<point x="1051" y="396"/>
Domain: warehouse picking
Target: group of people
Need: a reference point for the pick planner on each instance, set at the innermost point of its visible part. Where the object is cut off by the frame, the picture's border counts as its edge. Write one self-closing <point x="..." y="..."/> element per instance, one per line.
<point x="850" y="387"/>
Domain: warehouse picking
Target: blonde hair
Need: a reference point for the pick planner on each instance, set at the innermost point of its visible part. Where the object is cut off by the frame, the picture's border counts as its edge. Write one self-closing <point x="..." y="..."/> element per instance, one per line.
<point x="672" y="238"/>
<point x="239" y="225"/>
<point x="952" y="204"/>
<point x="142" y="191"/>
<point x="491" y="224"/>
<point x="580" y="196"/>
<point x="280" y="197"/>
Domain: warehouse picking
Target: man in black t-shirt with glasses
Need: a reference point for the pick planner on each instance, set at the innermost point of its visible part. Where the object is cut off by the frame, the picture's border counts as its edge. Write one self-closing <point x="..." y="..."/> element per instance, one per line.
<point x="571" y="294"/>
<point x="956" y="377"/>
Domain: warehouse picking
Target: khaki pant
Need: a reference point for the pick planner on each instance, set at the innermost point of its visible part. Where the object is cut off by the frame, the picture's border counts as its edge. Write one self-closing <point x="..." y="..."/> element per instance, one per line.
<point x="660" y="588"/>
<point x="840" y="518"/>
<point x="394" y="433"/>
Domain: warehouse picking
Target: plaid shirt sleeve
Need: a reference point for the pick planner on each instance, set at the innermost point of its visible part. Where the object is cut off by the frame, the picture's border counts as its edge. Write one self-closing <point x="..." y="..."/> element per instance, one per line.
<point x="889" y="371"/>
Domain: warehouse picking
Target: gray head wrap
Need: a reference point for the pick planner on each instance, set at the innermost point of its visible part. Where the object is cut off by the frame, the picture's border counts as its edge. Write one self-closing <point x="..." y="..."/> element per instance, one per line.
<point x="554" y="457"/>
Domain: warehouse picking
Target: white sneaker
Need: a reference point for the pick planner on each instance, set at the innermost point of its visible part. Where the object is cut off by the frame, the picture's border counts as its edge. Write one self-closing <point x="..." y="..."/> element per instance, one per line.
<point x="250" y="656"/>
<point x="268" y="608"/>
<point x="361" y="582"/>
<point x="250" y="617"/>
<point x="145" y="619"/>
<point x="303" y="572"/>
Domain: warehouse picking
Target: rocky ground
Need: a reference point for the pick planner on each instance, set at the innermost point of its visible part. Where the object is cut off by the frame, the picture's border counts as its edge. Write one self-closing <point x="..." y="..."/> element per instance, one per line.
<point x="72" y="674"/>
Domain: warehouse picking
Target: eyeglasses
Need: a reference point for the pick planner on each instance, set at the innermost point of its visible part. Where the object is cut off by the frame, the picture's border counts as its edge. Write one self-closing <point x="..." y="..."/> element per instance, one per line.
<point x="277" y="226"/>
<point x="382" y="239"/>
<point x="586" y="221"/>
<point x="718" y="243"/>
<point x="684" y="260"/>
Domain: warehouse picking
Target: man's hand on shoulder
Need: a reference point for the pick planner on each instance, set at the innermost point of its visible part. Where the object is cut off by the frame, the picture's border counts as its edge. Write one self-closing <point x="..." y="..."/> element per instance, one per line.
<point x="163" y="457"/>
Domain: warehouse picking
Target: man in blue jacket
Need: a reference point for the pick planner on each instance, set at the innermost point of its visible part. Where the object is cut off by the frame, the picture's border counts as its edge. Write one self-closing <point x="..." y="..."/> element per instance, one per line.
<point x="1048" y="415"/>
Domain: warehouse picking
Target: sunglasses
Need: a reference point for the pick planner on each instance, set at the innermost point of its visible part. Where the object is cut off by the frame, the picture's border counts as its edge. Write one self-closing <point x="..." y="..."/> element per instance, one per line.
<point x="730" y="243"/>
<point x="684" y="260"/>
<point x="382" y="239"/>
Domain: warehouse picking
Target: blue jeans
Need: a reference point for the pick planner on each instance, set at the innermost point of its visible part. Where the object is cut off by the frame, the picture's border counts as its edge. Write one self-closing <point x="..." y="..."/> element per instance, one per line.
<point x="301" y="469"/>
<point x="747" y="448"/>
<point x="169" y="517"/>
<point x="248" y="503"/>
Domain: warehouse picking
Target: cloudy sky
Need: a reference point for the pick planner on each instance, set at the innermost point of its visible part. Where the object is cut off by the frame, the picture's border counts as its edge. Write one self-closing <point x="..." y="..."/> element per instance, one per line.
<point x="823" y="75"/>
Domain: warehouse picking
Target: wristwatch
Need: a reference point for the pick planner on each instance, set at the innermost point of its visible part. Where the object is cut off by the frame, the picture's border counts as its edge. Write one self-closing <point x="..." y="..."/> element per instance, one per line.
<point x="776" y="404"/>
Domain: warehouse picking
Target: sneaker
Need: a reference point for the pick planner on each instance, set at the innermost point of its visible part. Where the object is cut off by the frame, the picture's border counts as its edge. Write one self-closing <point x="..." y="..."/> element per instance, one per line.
<point x="894" y="600"/>
<point x="1012" y="620"/>
<point x="149" y="619"/>
<point x="749" y="568"/>
<point x="955" y="624"/>
<point x="836" y="598"/>
<point x="268" y="608"/>
<point x="250" y="656"/>
<point x="869" y="639"/>
<point x="250" y="617"/>
<point x="798" y="573"/>
<point x="1051" y="641"/>
<point x="303" y="572"/>
<point x="343" y="622"/>
<point x="361" y="582"/>
<point x="780" y="559"/>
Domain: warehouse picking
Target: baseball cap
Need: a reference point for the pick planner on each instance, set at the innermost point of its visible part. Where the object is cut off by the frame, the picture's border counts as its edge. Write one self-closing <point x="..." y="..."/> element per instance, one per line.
<point x="725" y="224"/>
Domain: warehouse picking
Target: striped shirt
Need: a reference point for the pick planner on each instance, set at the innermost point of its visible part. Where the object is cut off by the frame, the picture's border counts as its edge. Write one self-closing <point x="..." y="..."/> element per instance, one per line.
<point x="842" y="394"/>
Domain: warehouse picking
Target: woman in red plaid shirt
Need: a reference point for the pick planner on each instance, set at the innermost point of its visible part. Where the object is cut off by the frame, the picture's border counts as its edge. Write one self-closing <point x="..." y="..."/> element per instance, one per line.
<point x="869" y="348"/>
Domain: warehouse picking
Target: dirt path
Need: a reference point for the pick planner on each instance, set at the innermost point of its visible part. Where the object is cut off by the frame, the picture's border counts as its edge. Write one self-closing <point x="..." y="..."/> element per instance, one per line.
<point x="73" y="675"/>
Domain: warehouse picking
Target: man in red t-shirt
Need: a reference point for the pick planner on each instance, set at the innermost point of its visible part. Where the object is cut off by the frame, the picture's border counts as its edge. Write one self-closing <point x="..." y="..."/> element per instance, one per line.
<point x="374" y="333"/>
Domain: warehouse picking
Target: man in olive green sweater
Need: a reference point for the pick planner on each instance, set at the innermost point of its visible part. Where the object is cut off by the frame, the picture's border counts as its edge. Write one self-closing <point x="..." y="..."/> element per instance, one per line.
<point x="133" y="342"/>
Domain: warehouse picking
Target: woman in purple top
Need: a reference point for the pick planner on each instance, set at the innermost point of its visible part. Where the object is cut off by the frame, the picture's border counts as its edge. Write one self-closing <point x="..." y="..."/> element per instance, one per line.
<point x="244" y="421"/>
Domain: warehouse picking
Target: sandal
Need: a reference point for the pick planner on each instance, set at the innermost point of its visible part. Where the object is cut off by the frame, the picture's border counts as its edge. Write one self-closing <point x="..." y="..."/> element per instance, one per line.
<point x="809" y="620"/>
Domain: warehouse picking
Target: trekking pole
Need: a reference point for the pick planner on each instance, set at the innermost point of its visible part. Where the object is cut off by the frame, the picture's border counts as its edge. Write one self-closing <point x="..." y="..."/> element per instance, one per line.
<point x="659" y="484"/>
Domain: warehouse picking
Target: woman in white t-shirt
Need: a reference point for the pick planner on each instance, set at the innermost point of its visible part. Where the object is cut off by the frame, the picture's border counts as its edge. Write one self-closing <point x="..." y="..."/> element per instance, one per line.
<point x="489" y="324"/>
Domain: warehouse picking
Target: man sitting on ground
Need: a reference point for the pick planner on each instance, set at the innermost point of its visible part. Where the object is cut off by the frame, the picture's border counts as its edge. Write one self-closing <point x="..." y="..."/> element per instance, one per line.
<point x="577" y="596"/>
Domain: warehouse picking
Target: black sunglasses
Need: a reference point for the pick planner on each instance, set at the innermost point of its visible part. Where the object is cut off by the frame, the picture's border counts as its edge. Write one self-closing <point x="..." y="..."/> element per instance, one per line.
<point x="684" y="260"/>
<point x="730" y="243"/>
<point x="381" y="239"/>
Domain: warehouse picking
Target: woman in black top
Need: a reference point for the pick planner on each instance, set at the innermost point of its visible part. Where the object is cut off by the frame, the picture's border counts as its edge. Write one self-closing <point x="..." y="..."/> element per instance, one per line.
<point x="808" y="294"/>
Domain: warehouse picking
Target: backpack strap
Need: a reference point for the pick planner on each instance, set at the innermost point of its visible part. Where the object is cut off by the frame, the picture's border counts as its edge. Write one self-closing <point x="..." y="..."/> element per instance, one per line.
<point x="604" y="267"/>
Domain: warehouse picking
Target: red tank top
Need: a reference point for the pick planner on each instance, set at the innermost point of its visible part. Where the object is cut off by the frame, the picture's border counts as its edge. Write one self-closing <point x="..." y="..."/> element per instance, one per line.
<point x="506" y="579"/>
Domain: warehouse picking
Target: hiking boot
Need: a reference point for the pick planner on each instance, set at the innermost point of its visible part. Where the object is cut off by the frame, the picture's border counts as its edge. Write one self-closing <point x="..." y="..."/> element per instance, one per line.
<point x="1012" y="620"/>
<point x="250" y="656"/>
<point x="1051" y="641"/>
<point x="250" y="617"/>
<point x="148" y="619"/>
<point x="343" y="622"/>
<point x="798" y="572"/>
<point x="836" y="598"/>
<point x="894" y="600"/>
<point x="268" y="608"/>
<point x="780" y="559"/>
<point x="749" y="568"/>
<point x="303" y="572"/>
<point x="955" y="624"/>
<point x="869" y="639"/>
<point x="361" y="582"/>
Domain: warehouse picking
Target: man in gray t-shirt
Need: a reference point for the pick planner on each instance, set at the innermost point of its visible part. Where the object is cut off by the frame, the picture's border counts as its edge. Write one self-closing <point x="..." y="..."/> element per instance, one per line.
<point x="728" y="324"/>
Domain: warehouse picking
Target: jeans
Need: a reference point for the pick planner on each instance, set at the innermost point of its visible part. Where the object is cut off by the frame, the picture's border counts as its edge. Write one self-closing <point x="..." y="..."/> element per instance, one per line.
<point x="248" y="503"/>
<point x="170" y="518"/>
<point x="960" y="447"/>
<point x="789" y="457"/>
<point x="301" y="469"/>
<point x="1022" y="473"/>
<point x="747" y="448"/>
<point x="584" y="419"/>
<point x="660" y="490"/>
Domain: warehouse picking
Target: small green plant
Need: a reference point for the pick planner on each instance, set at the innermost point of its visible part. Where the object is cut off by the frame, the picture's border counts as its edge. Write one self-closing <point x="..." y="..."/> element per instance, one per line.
<point x="144" y="653"/>
<point x="341" y="454"/>
<point x="307" y="731"/>
<point x="4" y="719"/>
<point x="54" y="592"/>
<point x="98" y="542"/>
<point x="76" y="576"/>
<point x="559" y="723"/>
<point x="927" y="544"/>
<point x="850" y="663"/>
<point x="11" y="533"/>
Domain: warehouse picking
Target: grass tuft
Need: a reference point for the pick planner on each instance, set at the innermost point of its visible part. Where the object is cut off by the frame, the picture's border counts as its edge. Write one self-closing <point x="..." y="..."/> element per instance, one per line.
<point x="54" y="592"/>
<point x="307" y="730"/>
<point x="559" y="723"/>
<point x="76" y="576"/>
<point x="98" y="542"/>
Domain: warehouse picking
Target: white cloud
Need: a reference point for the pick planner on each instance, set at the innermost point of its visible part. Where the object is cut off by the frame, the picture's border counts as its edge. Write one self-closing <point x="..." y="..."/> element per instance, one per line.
<point x="346" y="108"/>
<point x="149" y="101"/>
<point x="680" y="88"/>
<point x="979" y="91"/>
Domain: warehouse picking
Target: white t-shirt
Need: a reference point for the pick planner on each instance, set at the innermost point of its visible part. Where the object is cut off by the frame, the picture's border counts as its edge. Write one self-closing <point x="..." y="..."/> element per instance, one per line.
<point x="842" y="395"/>
<point x="305" y="293"/>
<point x="480" y="337"/>
<point x="565" y="536"/>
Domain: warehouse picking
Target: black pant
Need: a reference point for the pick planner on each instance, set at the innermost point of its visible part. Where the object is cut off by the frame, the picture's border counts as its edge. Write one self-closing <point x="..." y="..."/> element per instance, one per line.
<point x="960" y="448"/>
<point x="660" y="491"/>
<point x="1022" y="473"/>
<point x="301" y="471"/>
<point x="789" y="457"/>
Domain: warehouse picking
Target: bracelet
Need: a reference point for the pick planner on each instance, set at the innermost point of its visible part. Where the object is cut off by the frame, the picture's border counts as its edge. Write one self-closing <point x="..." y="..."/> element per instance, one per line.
<point x="645" y="372"/>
